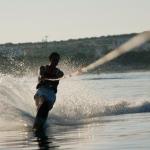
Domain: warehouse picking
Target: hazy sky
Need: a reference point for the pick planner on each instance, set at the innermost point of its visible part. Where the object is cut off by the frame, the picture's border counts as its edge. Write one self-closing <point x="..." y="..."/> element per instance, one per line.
<point x="31" y="20"/>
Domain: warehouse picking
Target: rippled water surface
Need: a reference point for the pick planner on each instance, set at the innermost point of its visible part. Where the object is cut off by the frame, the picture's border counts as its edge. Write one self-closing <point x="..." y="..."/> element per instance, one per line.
<point x="106" y="111"/>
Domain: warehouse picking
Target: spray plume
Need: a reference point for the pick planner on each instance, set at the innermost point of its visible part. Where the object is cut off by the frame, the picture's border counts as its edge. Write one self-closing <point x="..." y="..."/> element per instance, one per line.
<point x="134" y="42"/>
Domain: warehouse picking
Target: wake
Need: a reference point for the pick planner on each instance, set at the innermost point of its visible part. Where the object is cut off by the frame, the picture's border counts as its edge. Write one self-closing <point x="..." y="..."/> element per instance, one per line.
<point x="75" y="103"/>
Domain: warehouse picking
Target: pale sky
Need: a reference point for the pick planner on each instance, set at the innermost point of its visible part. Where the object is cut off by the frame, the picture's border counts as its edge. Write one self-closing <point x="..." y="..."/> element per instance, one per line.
<point x="31" y="20"/>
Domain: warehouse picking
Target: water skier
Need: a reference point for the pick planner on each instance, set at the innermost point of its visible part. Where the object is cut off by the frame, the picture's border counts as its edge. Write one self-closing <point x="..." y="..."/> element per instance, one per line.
<point x="46" y="89"/>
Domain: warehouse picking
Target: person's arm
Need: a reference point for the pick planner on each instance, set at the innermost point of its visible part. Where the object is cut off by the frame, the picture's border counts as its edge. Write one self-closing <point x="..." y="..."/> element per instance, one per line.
<point x="41" y="74"/>
<point x="59" y="73"/>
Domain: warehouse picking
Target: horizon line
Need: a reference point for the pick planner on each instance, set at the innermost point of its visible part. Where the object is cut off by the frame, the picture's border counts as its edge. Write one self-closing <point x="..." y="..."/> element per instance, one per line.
<point x="68" y="39"/>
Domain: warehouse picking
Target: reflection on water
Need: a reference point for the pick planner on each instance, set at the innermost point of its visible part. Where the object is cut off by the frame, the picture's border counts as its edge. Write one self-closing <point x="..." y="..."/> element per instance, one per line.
<point x="26" y="138"/>
<point x="105" y="133"/>
<point x="44" y="142"/>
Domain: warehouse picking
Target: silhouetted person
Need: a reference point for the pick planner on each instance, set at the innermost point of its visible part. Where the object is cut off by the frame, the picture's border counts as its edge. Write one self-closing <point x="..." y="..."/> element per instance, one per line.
<point x="46" y="89"/>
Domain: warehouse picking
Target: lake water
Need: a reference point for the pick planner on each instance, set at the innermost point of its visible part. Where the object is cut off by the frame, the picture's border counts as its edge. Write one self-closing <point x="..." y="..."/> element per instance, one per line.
<point x="92" y="112"/>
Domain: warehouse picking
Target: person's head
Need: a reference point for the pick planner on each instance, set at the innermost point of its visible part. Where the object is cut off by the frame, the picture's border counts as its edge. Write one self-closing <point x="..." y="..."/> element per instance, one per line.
<point x="54" y="58"/>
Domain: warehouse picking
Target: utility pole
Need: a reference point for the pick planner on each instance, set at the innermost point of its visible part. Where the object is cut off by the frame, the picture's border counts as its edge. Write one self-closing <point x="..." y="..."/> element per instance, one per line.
<point x="45" y="41"/>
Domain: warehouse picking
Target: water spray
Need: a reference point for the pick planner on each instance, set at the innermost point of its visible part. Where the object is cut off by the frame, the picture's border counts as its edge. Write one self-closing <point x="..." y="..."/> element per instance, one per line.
<point x="134" y="42"/>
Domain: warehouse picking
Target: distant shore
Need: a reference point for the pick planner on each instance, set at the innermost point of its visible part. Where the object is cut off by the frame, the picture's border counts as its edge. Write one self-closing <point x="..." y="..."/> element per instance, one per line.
<point x="75" y="53"/>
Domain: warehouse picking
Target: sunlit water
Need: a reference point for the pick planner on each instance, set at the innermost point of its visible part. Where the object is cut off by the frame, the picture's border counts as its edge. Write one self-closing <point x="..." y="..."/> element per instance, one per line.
<point x="92" y="112"/>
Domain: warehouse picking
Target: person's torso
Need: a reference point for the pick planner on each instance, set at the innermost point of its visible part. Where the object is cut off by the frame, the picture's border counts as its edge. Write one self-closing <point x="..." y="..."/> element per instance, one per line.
<point x="48" y="73"/>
